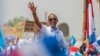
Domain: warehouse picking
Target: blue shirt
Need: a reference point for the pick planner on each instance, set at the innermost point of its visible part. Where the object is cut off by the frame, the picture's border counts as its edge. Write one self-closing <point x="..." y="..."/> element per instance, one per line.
<point x="53" y="40"/>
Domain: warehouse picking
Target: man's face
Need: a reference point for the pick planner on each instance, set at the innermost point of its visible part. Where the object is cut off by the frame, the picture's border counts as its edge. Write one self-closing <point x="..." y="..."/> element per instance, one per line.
<point x="52" y="19"/>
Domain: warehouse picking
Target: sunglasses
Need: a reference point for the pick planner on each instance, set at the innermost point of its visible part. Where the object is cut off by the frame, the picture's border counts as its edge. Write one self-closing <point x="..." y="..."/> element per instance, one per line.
<point x="53" y="19"/>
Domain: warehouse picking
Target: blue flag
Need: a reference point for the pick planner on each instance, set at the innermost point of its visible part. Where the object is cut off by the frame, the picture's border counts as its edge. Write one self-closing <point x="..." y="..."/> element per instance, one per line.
<point x="2" y="42"/>
<point x="53" y="46"/>
<point x="72" y="40"/>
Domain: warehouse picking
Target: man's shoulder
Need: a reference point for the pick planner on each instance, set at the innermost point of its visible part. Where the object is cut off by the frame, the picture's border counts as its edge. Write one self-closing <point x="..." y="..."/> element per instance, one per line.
<point x="45" y="26"/>
<point x="59" y="30"/>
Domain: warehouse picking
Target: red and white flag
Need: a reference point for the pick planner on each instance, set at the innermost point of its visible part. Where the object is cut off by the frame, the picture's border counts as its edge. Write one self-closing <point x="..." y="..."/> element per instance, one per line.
<point x="90" y="23"/>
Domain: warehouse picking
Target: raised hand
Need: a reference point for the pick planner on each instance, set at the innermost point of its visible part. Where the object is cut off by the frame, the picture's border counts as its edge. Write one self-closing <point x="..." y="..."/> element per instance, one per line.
<point x="33" y="10"/>
<point x="32" y="7"/>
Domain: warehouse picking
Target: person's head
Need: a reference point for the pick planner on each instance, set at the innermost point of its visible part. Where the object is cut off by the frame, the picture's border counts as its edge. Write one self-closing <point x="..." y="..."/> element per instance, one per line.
<point x="52" y="20"/>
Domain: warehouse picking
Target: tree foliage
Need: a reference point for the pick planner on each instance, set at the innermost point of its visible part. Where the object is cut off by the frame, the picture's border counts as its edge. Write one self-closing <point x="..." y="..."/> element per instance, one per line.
<point x="16" y="20"/>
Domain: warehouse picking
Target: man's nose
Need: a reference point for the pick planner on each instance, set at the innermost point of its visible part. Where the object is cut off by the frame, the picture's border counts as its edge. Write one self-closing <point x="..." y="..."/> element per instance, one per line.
<point x="53" y="20"/>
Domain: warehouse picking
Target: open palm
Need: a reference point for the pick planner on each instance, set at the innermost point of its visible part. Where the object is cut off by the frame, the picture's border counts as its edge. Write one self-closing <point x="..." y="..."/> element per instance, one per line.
<point x="32" y="7"/>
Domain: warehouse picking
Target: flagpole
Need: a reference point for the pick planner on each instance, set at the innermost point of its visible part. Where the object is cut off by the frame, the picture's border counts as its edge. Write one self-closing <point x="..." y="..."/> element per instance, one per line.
<point x="45" y="16"/>
<point x="99" y="7"/>
<point x="85" y="39"/>
<point x="84" y="20"/>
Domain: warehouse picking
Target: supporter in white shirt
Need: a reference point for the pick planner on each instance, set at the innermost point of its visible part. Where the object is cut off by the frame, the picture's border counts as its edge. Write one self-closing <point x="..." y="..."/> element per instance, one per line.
<point x="50" y="32"/>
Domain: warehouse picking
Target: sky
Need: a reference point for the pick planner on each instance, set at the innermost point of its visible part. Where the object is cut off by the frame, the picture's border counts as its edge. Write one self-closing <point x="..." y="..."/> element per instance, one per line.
<point x="68" y="11"/>
<point x="16" y="8"/>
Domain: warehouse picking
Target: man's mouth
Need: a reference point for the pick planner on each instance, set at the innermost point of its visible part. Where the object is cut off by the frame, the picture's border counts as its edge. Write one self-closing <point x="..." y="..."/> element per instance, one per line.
<point x="52" y="23"/>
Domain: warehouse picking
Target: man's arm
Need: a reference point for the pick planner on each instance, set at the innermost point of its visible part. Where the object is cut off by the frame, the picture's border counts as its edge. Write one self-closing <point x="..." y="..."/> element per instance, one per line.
<point x="33" y="10"/>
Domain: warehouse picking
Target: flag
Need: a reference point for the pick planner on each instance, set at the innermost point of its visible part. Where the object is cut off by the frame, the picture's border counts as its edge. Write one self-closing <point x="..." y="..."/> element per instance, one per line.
<point x="2" y="42"/>
<point x="90" y="23"/>
<point x="72" y="40"/>
<point x="74" y="51"/>
<point x="96" y="45"/>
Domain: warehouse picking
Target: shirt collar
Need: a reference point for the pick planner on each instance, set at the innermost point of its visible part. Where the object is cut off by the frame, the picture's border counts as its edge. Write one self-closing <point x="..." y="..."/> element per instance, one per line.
<point x="54" y="30"/>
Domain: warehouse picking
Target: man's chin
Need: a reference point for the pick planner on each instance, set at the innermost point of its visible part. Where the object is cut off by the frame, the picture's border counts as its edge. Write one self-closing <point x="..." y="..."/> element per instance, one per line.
<point x="52" y="25"/>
